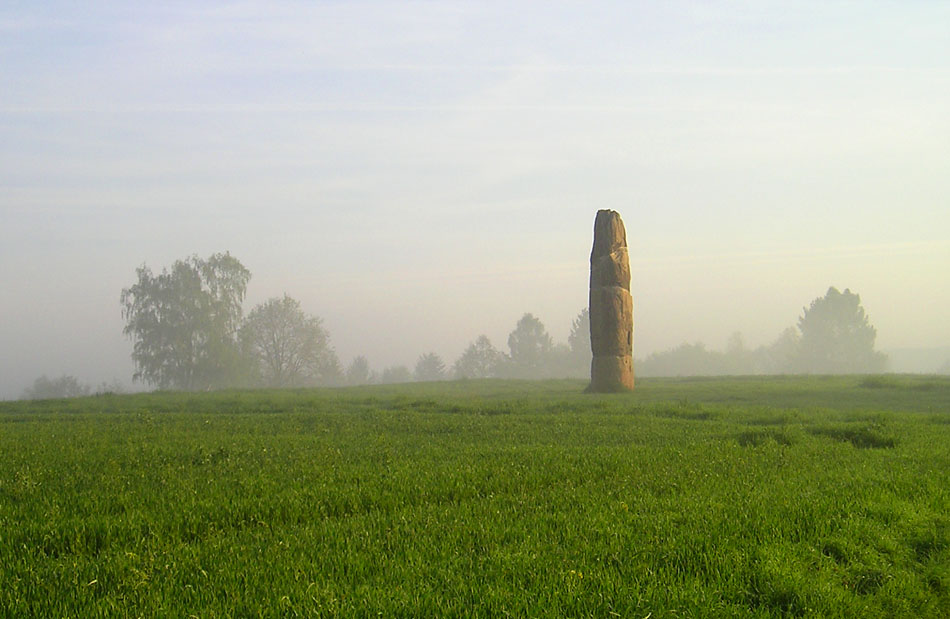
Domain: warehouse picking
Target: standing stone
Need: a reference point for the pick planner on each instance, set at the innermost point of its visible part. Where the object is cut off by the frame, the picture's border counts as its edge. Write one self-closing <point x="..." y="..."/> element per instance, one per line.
<point x="611" y="307"/>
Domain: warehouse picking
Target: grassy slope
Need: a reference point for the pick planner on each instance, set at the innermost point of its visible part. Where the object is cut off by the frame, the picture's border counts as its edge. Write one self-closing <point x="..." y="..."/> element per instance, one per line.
<point x="714" y="497"/>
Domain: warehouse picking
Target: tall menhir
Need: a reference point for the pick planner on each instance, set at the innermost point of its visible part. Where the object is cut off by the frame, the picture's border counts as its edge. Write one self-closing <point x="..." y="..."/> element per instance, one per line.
<point x="611" y="307"/>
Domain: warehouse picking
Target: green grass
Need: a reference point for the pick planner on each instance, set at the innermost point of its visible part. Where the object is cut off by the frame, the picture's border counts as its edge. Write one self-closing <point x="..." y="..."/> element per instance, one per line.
<point x="795" y="496"/>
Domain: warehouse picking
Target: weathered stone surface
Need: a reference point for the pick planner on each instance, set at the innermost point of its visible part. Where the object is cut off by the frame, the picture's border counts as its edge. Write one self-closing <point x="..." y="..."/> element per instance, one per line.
<point x="611" y="270"/>
<point x="612" y="335"/>
<point x="609" y="233"/>
<point x="611" y="306"/>
<point x="610" y="374"/>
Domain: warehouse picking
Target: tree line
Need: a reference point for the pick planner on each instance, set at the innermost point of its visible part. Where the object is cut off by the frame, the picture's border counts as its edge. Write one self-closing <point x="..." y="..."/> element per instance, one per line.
<point x="189" y="332"/>
<point x="66" y="386"/>
<point x="531" y="354"/>
<point x="833" y="336"/>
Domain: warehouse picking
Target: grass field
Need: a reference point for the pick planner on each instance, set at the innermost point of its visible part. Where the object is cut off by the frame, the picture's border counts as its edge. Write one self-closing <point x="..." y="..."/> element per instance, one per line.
<point x="759" y="497"/>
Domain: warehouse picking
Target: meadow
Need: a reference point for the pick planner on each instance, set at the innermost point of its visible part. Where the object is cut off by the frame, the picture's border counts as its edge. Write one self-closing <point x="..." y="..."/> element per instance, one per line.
<point x="725" y="497"/>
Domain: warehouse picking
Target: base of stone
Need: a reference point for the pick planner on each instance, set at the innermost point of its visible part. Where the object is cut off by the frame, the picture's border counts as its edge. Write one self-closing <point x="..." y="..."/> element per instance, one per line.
<point x="611" y="374"/>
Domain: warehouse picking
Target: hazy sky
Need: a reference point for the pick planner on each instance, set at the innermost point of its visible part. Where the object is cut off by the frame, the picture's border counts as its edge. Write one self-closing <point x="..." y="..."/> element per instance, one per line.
<point x="419" y="173"/>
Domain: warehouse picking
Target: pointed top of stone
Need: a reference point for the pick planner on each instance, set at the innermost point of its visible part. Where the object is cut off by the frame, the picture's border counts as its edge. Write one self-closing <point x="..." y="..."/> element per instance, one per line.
<point x="609" y="233"/>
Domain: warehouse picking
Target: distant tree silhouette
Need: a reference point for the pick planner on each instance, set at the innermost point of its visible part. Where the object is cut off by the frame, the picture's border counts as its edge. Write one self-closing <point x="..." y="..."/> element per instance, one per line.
<point x="183" y="322"/>
<point x="530" y="346"/>
<point x="63" y="387"/>
<point x="358" y="372"/>
<point x="429" y="367"/>
<point x="395" y="374"/>
<point x="579" y="342"/>
<point x="287" y="347"/>
<point x="836" y="336"/>
<point x="738" y="360"/>
<point x="684" y="360"/>
<point x="480" y="360"/>
<point x="781" y="356"/>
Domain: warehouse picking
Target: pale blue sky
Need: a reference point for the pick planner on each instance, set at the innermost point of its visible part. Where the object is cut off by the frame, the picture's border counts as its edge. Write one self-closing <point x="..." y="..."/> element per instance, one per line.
<point x="418" y="173"/>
